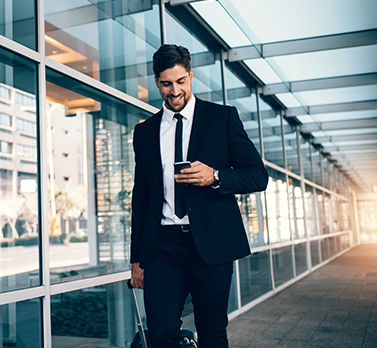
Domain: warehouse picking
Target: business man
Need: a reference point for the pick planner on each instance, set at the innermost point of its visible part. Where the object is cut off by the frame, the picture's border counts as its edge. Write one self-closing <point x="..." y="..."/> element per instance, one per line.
<point x="187" y="228"/>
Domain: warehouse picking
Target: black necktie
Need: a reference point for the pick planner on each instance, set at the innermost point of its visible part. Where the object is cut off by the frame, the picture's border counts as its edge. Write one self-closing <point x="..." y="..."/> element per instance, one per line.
<point x="179" y="199"/>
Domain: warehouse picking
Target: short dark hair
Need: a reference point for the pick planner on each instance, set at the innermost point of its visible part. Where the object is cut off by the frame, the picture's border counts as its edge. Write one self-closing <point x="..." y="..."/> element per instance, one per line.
<point x="168" y="56"/>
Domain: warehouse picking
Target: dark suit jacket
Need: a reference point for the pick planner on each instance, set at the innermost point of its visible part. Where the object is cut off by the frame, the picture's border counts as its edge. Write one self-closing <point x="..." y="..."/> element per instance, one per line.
<point x="219" y="140"/>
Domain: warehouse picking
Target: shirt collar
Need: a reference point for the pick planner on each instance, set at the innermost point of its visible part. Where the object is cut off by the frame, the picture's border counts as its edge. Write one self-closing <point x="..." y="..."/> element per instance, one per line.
<point x="187" y="112"/>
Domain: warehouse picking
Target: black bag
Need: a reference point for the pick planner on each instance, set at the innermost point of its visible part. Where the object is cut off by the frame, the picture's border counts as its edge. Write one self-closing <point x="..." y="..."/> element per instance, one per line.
<point x="142" y="340"/>
<point x="187" y="340"/>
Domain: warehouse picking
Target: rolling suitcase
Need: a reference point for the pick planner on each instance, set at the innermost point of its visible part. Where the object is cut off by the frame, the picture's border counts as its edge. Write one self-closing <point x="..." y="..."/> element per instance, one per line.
<point x="141" y="339"/>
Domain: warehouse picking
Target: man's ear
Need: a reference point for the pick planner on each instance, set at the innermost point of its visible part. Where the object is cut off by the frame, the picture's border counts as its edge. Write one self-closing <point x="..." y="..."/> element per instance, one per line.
<point x="156" y="81"/>
<point x="191" y="75"/>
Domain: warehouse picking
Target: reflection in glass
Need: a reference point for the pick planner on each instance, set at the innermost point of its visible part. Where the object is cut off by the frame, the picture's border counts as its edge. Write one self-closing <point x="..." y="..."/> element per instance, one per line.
<point x="314" y="252"/>
<point x="19" y="215"/>
<point x="18" y="21"/>
<point x="328" y="214"/>
<point x="296" y="208"/>
<point x="21" y="324"/>
<point x="272" y="137"/>
<point x="325" y="249"/>
<point x="253" y="215"/>
<point x="317" y="169"/>
<point x="310" y="211"/>
<point x="255" y="276"/>
<point x="291" y="148"/>
<point x="90" y="180"/>
<point x="95" y="317"/>
<point x="306" y="158"/>
<point x="283" y="266"/>
<point x="323" y="229"/>
<point x="277" y="207"/>
<point x="110" y="41"/>
<point x="300" y="258"/>
<point x="207" y="83"/>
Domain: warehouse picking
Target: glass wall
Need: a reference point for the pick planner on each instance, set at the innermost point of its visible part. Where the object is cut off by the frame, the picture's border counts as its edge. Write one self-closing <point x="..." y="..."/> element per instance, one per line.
<point x="91" y="175"/>
<point x="19" y="181"/>
<point x="67" y="168"/>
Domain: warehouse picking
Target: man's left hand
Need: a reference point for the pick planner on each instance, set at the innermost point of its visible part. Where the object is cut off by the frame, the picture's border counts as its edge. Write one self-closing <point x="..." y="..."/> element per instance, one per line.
<point x="199" y="174"/>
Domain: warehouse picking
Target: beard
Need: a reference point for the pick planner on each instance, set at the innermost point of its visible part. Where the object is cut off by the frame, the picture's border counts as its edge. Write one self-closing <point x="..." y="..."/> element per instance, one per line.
<point x="176" y="107"/>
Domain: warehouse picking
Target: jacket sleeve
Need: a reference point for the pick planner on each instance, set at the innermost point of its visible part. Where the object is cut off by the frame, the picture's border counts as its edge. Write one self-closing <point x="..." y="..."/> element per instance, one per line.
<point x="247" y="173"/>
<point x="140" y="201"/>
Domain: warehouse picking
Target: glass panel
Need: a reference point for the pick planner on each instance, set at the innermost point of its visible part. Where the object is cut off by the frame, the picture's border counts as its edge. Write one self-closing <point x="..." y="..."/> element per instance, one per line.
<point x="345" y="241"/>
<point x="253" y="215"/>
<point x="300" y="258"/>
<point x="316" y="157"/>
<point x="277" y="207"/>
<point x="19" y="211"/>
<point x="207" y="72"/>
<point x="314" y="251"/>
<point x="110" y="41"/>
<point x="91" y="175"/>
<point x="310" y="211"/>
<point x="291" y="148"/>
<point x="321" y="212"/>
<point x="345" y="216"/>
<point x="325" y="249"/>
<point x="328" y="214"/>
<point x="18" y="21"/>
<point x="296" y="208"/>
<point x="240" y="96"/>
<point x="326" y="173"/>
<point x="367" y="211"/>
<point x="21" y="324"/>
<point x="255" y="276"/>
<point x="336" y="225"/>
<point x="283" y="267"/>
<point x="97" y="316"/>
<point x="332" y="246"/>
<point x="272" y="138"/>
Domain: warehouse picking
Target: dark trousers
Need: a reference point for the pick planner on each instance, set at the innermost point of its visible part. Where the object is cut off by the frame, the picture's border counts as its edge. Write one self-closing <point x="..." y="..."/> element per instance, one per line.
<point x="175" y="271"/>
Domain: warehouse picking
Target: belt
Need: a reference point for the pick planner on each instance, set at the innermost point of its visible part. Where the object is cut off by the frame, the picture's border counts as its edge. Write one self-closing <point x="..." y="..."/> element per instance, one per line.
<point x="181" y="228"/>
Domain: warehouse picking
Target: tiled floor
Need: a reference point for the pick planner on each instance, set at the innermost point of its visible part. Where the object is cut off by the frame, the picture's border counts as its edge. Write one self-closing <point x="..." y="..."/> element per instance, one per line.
<point x="335" y="306"/>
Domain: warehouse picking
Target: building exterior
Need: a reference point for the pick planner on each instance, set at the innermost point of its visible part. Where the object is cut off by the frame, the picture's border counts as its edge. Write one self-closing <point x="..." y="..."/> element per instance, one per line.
<point x="75" y="78"/>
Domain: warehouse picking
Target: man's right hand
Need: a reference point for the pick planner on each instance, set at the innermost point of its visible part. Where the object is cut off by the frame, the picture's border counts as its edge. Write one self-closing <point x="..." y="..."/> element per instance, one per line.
<point x="137" y="276"/>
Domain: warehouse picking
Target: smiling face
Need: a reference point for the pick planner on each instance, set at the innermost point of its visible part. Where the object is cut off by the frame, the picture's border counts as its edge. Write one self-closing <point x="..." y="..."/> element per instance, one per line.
<point x="175" y="87"/>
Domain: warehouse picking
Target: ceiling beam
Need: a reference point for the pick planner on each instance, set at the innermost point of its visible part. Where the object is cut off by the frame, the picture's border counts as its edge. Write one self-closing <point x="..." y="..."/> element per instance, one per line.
<point x="345" y="138"/>
<point x="316" y="84"/>
<point x="314" y="44"/>
<point x="338" y="125"/>
<point x="351" y="148"/>
<point x="328" y="108"/>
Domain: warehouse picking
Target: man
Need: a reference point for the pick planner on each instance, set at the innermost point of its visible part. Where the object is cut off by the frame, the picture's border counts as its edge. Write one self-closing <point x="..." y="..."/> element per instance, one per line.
<point x="187" y="228"/>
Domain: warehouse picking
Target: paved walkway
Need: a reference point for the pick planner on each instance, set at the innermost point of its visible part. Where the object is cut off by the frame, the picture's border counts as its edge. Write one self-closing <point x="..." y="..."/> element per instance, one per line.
<point x="335" y="306"/>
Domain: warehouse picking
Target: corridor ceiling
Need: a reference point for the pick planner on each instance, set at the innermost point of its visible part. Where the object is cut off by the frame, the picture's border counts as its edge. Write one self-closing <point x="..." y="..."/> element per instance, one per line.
<point x="319" y="60"/>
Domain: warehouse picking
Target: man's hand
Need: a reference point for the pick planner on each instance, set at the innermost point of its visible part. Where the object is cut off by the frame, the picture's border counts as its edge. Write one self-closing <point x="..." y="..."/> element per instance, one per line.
<point x="199" y="174"/>
<point x="137" y="276"/>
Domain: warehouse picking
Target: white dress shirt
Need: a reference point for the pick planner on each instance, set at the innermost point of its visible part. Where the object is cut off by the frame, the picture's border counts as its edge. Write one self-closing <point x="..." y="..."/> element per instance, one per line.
<point x="167" y="147"/>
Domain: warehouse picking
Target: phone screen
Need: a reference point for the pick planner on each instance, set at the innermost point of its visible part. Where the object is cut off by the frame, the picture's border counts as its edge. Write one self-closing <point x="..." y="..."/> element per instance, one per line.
<point x="178" y="166"/>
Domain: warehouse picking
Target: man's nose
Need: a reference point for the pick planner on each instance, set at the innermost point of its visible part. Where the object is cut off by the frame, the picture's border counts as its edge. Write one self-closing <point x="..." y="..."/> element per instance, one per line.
<point x="174" y="89"/>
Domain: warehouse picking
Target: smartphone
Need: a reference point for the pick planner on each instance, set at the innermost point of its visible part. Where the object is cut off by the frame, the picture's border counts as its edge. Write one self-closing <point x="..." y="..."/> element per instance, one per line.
<point x="178" y="166"/>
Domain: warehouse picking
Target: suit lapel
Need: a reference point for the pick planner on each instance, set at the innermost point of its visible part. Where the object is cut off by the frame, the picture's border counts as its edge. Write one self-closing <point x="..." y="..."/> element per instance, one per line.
<point x="197" y="127"/>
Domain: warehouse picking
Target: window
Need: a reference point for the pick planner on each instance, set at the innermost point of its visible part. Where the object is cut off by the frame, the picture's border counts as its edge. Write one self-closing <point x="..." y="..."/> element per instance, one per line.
<point x="26" y="126"/>
<point x="27" y="151"/>
<point x="5" y="147"/>
<point x="25" y="100"/>
<point x="4" y="92"/>
<point x="5" y="120"/>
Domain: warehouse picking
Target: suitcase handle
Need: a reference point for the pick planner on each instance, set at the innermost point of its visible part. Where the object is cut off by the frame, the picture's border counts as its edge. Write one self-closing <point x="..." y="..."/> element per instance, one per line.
<point x="137" y="314"/>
